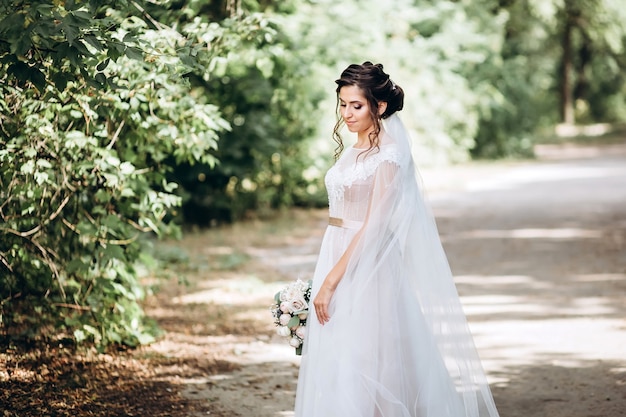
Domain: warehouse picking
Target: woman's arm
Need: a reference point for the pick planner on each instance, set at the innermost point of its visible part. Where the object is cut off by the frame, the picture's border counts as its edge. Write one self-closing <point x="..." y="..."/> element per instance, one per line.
<point x="326" y="291"/>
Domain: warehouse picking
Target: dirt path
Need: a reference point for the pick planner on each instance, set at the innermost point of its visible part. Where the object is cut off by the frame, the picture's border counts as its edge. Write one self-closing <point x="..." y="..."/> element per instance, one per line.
<point x="539" y="254"/>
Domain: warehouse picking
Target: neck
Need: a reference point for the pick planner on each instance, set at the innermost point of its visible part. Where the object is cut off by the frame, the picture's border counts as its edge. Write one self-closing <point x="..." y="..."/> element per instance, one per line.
<point x="363" y="138"/>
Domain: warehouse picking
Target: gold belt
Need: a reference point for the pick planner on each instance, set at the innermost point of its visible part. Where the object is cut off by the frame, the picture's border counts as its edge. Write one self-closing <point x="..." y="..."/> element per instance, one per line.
<point x="346" y="224"/>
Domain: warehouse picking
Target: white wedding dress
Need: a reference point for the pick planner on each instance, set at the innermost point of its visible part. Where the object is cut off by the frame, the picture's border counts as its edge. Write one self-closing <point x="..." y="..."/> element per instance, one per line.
<point x="397" y="343"/>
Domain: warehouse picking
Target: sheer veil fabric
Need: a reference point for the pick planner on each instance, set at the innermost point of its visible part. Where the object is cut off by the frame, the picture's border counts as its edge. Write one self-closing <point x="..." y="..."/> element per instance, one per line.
<point x="397" y="343"/>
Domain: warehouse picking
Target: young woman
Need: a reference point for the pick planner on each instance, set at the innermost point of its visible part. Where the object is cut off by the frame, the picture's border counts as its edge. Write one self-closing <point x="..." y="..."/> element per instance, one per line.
<point x="387" y="336"/>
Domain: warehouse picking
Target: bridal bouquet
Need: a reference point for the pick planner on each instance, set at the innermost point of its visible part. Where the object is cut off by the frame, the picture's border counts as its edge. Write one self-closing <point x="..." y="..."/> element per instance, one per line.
<point x="290" y="311"/>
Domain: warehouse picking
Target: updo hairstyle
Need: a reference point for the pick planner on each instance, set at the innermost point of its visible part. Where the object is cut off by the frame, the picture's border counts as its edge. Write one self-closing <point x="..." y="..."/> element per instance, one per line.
<point x="377" y="87"/>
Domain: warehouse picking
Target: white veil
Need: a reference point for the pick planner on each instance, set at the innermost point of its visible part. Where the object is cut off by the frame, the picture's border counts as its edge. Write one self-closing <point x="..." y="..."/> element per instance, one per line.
<point x="400" y="239"/>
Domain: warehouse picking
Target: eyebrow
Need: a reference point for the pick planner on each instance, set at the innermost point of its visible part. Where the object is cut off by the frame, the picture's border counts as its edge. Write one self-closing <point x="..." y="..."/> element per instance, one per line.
<point x="351" y="102"/>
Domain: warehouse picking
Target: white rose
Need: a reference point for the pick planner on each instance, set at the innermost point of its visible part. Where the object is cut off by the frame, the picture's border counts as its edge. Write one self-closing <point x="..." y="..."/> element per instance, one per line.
<point x="300" y="332"/>
<point x="294" y="342"/>
<point x="285" y="307"/>
<point x="298" y="305"/>
<point x="284" y="319"/>
<point x="283" y="331"/>
<point x="303" y="315"/>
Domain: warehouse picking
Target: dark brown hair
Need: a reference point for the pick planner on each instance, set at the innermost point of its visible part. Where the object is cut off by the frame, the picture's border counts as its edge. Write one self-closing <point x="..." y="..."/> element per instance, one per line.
<point x="377" y="87"/>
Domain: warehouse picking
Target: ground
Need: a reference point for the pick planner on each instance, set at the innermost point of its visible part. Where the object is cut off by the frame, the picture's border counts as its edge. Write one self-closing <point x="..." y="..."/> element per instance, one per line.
<point x="538" y="249"/>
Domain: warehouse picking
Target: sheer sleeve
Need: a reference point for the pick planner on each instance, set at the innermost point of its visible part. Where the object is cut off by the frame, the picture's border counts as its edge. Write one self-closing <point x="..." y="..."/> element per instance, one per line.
<point x="383" y="193"/>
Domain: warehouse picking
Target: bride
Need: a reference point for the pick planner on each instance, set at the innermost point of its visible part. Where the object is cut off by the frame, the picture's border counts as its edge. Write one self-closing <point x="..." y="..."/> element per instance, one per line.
<point x="388" y="337"/>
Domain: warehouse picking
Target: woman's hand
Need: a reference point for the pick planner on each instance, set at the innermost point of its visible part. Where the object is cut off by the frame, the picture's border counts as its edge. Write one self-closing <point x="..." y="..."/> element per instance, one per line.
<point x="322" y="302"/>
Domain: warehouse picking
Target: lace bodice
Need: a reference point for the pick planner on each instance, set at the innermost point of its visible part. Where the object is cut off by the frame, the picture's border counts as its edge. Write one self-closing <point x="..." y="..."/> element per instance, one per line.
<point x="350" y="181"/>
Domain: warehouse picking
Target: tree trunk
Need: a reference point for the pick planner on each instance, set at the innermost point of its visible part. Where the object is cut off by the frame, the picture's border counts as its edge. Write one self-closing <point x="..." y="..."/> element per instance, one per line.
<point x="567" y="101"/>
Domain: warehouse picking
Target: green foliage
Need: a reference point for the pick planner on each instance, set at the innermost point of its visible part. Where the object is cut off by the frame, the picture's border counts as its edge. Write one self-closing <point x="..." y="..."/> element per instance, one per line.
<point x="88" y="136"/>
<point x="599" y="44"/>
<point x="529" y="78"/>
<point x="269" y="93"/>
<point x="70" y="36"/>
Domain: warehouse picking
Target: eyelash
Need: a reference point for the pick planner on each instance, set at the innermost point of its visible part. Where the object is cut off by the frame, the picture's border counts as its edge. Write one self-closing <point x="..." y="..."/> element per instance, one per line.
<point x="357" y="107"/>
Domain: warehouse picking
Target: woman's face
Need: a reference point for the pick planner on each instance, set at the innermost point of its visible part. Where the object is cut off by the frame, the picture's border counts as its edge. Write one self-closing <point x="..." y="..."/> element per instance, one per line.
<point x="355" y="110"/>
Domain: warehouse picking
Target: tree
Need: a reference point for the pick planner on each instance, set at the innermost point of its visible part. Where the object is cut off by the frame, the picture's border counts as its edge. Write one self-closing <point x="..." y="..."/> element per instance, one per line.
<point x="575" y="48"/>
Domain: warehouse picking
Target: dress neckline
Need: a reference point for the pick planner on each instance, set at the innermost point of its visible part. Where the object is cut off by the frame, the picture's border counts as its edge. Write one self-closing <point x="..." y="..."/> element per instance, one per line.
<point x="365" y="149"/>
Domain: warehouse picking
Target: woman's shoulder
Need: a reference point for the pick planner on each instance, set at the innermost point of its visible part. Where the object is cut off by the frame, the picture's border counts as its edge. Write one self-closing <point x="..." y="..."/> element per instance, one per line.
<point x="389" y="150"/>
<point x="384" y="153"/>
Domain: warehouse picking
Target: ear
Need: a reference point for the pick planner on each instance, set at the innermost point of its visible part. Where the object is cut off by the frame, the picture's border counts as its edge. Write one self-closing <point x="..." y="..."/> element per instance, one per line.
<point x="382" y="107"/>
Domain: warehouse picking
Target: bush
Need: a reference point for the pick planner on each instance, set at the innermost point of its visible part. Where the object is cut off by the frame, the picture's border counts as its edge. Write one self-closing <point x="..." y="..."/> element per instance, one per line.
<point x="88" y="136"/>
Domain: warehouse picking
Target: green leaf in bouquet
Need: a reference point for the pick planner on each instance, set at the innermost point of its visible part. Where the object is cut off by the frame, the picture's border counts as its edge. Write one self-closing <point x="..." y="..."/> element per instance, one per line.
<point x="294" y="322"/>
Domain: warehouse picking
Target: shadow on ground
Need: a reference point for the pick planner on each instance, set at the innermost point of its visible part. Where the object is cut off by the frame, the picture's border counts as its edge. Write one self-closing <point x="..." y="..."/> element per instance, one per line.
<point x="563" y="386"/>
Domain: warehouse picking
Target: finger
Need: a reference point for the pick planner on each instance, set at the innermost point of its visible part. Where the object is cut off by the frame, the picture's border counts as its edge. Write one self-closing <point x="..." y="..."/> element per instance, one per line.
<point x="325" y="314"/>
<point x="322" y="315"/>
<point x="318" y="313"/>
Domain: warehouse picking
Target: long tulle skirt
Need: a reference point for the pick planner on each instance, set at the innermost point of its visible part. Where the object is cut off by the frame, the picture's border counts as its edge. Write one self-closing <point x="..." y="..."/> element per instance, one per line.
<point x="376" y="357"/>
